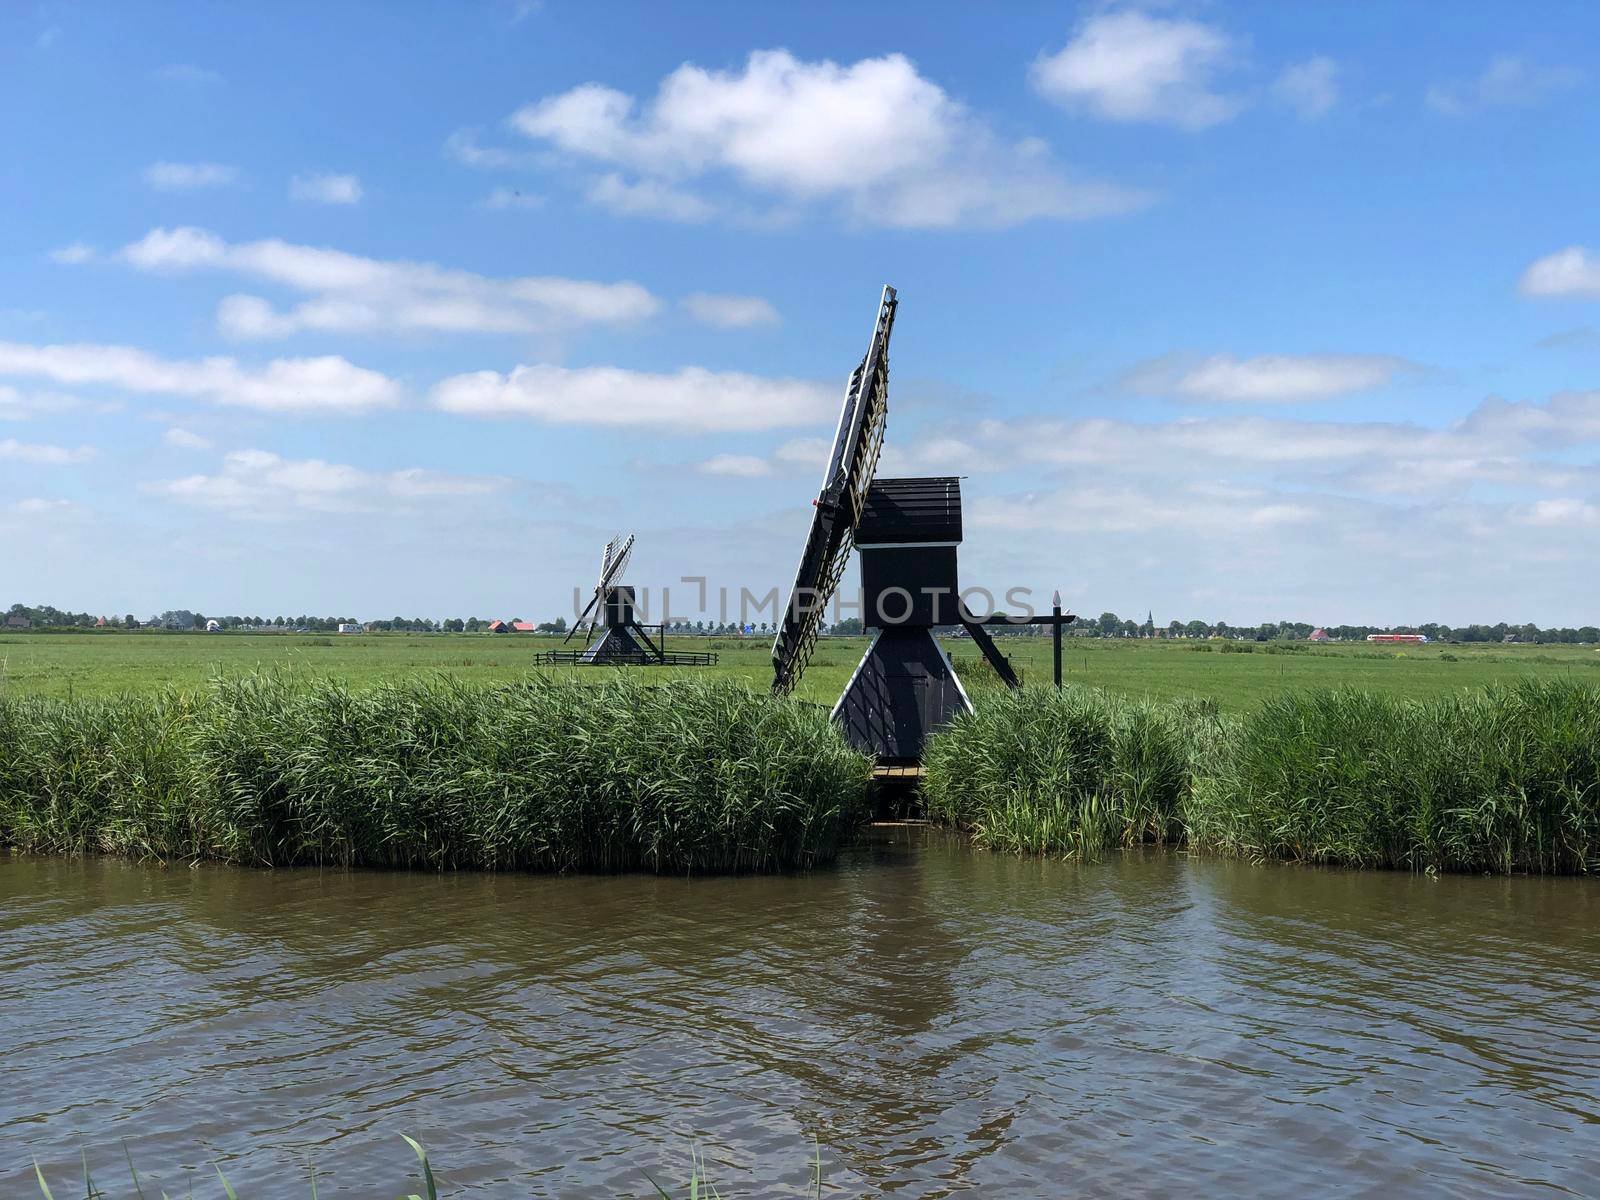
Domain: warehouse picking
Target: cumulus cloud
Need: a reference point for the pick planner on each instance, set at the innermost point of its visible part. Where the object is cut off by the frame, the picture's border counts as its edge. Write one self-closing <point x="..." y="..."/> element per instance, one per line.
<point x="1507" y="82"/>
<point x="16" y="405"/>
<point x="326" y="189"/>
<point x="503" y="198"/>
<point x="327" y="384"/>
<point x="690" y="400"/>
<point x="876" y="136"/>
<point x="44" y="455"/>
<point x="72" y="255"/>
<point x="184" y="439"/>
<point x="1130" y="66"/>
<point x="260" y="483"/>
<point x="730" y="312"/>
<point x="1310" y="88"/>
<point x="741" y="466"/>
<point x="649" y="198"/>
<point x="37" y="506"/>
<point x="179" y="177"/>
<point x="1573" y="272"/>
<point x="352" y="294"/>
<point x="1267" y="379"/>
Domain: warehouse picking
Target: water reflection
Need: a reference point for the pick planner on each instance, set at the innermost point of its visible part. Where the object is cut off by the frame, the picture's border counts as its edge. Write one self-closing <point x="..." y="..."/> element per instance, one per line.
<point x="938" y="1019"/>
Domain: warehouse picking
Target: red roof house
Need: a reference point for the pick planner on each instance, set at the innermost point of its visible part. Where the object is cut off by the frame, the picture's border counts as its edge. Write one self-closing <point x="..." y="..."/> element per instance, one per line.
<point x="522" y="626"/>
<point x="498" y="627"/>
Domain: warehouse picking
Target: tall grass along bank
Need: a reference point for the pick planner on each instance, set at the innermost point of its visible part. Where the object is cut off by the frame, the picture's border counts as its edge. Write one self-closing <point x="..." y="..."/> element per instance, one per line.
<point x="680" y="776"/>
<point x="1505" y="778"/>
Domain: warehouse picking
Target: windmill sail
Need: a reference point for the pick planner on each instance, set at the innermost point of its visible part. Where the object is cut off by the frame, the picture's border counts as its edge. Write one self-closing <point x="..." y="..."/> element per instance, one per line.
<point x="851" y="465"/>
<point x="613" y="561"/>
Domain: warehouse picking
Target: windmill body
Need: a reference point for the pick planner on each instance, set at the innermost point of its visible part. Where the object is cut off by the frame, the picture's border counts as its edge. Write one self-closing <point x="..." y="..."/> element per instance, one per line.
<point x="905" y="687"/>
<point x="907" y="531"/>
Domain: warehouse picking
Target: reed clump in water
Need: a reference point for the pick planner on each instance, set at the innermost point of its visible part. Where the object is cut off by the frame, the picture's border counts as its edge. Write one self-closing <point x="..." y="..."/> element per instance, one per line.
<point x="1060" y="772"/>
<point x="680" y="776"/>
<point x="1502" y="779"/>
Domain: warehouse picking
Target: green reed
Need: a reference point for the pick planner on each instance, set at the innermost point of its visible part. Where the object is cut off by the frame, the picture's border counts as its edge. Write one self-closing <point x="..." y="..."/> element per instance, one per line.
<point x="679" y="776"/>
<point x="1070" y="771"/>
<point x="1500" y="779"/>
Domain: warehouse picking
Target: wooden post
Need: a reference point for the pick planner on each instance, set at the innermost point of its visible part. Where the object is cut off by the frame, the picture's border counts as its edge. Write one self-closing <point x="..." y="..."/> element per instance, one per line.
<point x="1055" y="632"/>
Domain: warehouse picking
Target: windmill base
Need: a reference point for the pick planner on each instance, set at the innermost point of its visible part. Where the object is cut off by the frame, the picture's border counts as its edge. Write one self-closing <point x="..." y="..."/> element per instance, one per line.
<point x="616" y="644"/>
<point x="903" y="690"/>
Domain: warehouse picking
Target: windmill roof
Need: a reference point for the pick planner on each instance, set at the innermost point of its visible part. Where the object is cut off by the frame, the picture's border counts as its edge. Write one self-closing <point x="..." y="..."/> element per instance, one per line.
<point x="911" y="510"/>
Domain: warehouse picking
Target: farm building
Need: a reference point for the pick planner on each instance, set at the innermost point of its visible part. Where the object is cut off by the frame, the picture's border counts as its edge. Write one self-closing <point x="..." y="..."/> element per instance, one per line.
<point x="18" y="621"/>
<point x="522" y="627"/>
<point x="1319" y="635"/>
<point x="1404" y="639"/>
<point x="213" y="626"/>
<point x="349" y="627"/>
<point x="499" y="627"/>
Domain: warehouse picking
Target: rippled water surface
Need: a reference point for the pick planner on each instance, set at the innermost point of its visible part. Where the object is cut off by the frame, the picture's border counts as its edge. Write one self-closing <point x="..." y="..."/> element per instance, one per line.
<point x="937" y="1019"/>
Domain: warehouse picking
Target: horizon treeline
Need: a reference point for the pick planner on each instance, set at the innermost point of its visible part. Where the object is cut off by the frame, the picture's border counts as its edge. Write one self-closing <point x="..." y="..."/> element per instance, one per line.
<point x="1107" y="625"/>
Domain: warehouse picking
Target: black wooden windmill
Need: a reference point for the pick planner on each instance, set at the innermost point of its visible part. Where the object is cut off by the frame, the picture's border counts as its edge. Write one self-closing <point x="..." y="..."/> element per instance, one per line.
<point x="623" y="640"/>
<point x="907" y="531"/>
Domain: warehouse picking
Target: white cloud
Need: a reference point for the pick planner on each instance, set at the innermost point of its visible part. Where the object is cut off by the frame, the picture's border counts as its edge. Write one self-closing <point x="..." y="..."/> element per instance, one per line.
<point x="688" y="401"/>
<point x="1507" y="82"/>
<point x="742" y="466"/>
<point x="72" y="255"/>
<point x="328" y="384"/>
<point x="43" y="455"/>
<point x="37" y="506"/>
<point x="184" y="439"/>
<point x="1563" y="513"/>
<point x="326" y="189"/>
<point x="1267" y="379"/>
<point x="648" y="198"/>
<point x="730" y="312"/>
<point x="875" y="136"/>
<point x="1311" y="88"/>
<point x="19" y="406"/>
<point x="260" y="483"/>
<point x="1574" y="272"/>
<point x="508" y="198"/>
<point x="174" y="177"/>
<point x="352" y="294"/>
<point x="1129" y="66"/>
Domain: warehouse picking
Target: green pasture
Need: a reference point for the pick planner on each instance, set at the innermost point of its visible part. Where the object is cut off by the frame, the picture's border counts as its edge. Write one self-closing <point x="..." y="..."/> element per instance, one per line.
<point x="116" y="663"/>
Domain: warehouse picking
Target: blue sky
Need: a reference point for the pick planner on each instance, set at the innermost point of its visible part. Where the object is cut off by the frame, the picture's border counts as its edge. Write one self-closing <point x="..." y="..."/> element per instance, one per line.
<point x="1231" y="311"/>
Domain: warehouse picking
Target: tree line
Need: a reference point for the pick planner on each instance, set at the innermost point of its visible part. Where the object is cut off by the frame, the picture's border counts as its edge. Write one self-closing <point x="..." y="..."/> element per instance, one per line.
<point x="1107" y="625"/>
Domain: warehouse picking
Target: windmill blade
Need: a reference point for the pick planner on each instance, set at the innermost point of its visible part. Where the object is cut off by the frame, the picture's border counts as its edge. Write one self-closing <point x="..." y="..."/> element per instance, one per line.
<point x="851" y="466"/>
<point x="619" y="563"/>
<point x="606" y="554"/>
<point x="588" y="608"/>
<point x="613" y="561"/>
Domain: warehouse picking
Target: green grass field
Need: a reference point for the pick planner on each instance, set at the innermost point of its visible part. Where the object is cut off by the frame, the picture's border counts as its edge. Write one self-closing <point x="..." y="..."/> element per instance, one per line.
<point x="108" y="664"/>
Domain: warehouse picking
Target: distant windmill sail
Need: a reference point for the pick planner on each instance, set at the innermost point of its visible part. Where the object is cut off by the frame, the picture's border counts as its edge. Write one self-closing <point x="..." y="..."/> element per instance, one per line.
<point x="838" y="507"/>
<point x="613" y="561"/>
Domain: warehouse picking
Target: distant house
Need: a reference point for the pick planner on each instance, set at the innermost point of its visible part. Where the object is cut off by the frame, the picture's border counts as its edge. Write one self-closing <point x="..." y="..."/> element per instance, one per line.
<point x="1403" y="639"/>
<point x="349" y="627"/>
<point x="523" y="627"/>
<point x="18" y="621"/>
<point x="499" y="627"/>
<point x="1319" y="635"/>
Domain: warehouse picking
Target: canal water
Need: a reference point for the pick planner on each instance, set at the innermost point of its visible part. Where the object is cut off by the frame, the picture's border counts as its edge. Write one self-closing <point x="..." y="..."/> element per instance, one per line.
<point x="936" y="1019"/>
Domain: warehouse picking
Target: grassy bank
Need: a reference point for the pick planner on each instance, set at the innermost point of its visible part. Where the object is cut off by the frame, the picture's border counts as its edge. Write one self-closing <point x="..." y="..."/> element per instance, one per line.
<point x="675" y="775"/>
<point x="1505" y="778"/>
<point x="108" y="664"/>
